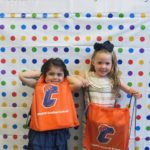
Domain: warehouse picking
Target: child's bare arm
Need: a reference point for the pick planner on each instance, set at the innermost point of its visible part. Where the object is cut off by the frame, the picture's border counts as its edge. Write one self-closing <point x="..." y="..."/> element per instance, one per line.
<point x="76" y="82"/>
<point x="29" y="77"/>
<point x="129" y="90"/>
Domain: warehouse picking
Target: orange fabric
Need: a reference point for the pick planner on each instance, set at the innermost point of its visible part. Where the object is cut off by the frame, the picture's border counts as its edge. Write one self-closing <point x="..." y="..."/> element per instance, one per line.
<point x="107" y="128"/>
<point x="52" y="106"/>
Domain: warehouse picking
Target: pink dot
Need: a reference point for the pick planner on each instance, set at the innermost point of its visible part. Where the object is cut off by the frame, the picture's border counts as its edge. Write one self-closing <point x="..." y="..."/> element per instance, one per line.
<point x="14" y="115"/>
<point x="14" y="94"/>
<point x="12" y="38"/>
<point x="142" y="39"/>
<point x="15" y="136"/>
<point x="55" y="38"/>
<point x="13" y="72"/>
<point x="34" y="38"/>
<point x="140" y="73"/>
<point x="138" y="117"/>
<point x="3" y="61"/>
<point x="137" y="138"/>
<point x="87" y="61"/>
<point x="99" y="38"/>
<point x="120" y="38"/>
<point x="77" y="38"/>
<point x="130" y="62"/>
<point x="44" y="60"/>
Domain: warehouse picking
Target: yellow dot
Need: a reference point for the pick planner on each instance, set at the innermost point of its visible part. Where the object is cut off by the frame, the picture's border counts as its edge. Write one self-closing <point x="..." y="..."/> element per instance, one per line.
<point x="75" y="148"/>
<point x="13" y="61"/>
<point x="131" y="38"/>
<point x="141" y="62"/>
<point x="2" y="38"/>
<point x="56" y="15"/>
<point x="23" y="38"/>
<point x="148" y="106"/>
<point x="4" y="104"/>
<point x="15" y="147"/>
<point x="140" y="84"/>
<point x="109" y="38"/>
<point x="12" y="15"/>
<point x="4" y="126"/>
<point x="136" y="148"/>
<point x="88" y="38"/>
<point x="76" y="72"/>
<point x="24" y="105"/>
<point x="143" y="15"/>
<point x="99" y="15"/>
<point x="45" y="38"/>
<point x="66" y="38"/>
<point x="14" y="83"/>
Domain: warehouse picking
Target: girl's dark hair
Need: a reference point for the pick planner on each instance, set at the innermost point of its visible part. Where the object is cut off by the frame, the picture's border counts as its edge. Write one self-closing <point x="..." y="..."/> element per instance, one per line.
<point x="54" y="62"/>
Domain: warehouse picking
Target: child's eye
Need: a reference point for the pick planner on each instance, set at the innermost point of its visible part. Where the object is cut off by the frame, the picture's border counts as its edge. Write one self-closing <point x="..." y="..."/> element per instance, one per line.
<point x="107" y="63"/>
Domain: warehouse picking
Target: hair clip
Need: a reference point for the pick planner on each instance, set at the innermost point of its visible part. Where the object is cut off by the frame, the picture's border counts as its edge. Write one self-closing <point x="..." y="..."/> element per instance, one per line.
<point x="106" y="45"/>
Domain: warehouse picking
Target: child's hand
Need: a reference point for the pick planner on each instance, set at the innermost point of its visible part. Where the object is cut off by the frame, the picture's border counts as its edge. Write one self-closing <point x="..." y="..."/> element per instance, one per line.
<point x="135" y="93"/>
<point x="85" y="83"/>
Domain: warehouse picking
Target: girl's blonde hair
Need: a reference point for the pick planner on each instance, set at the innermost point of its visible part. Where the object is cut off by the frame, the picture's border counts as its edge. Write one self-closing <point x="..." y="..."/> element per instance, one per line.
<point x="114" y="73"/>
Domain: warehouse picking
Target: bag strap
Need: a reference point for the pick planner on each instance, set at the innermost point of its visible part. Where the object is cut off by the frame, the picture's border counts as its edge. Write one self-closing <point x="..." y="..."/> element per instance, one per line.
<point x="28" y="119"/>
<point x="134" y="113"/>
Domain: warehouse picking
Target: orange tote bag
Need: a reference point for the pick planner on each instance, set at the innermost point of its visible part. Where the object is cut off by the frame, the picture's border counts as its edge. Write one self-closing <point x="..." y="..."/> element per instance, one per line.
<point x="52" y="106"/>
<point x="107" y="128"/>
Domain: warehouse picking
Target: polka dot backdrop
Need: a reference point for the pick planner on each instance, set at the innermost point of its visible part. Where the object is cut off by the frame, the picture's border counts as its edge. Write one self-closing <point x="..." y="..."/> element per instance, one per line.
<point x="27" y="43"/>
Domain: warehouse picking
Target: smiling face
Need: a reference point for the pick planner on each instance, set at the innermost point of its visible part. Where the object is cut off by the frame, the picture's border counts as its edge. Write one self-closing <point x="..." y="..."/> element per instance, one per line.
<point x="54" y="74"/>
<point x="102" y="63"/>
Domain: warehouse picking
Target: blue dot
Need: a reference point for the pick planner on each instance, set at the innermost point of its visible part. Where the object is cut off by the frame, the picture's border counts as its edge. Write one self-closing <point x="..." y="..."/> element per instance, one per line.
<point x="139" y="106"/>
<point x="23" y="27"/>
<point x="148" y="117"/>
<point x="66" y="15"/>
<point x="77" y="61"/>
<point x="25" y="115"/>
<point x="2" y="15"/>
<point x="34" y="61"/>
<point x="132" y="15"/>
<point x="110" y="27"/>
<point x="23" y="49"/>
<point x="119" y="61"/>
<point x="77" y="27"/>
<point x="25" y="147"/>
<point x="128" y="96"/>
<point x="24" y="61"/>
<point x="66" y="49"/>
<point x="87" y="49"/>
<point x="66" y="61"/>
<point x="66" y="27"/>
<point x="110" y="15"/>
<point x="131" y="50"/>
<point x="147" y="148"/>
<point x="44" y="49"/>
<point x="88" y="15"/>
<point x="137" y="128"/>
<point x="14" y="126"/>
<point x="4" y="94"/>
<point x="34" y="27"/>
<point x="149" y="84"/>
<point x="23" y="15"/>
<point x="45" y="15"/>
<point x="148" y="95"/>
<point x="5" y="146"/>
<point x="121" y="27"/>
<point x="3" y="49"/>
<point x="24" y="94"/>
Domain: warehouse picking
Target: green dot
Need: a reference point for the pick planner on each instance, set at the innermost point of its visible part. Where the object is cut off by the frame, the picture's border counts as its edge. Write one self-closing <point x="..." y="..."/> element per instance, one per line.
<point x="130" y="84"/>
<point x="142" y="27"/>
<point x="12" y="26"/>
<point x="77" y="49"/>
<point x="3" y="83"/>
<point x="75" y="137"/>
<point x="77" y="15"/>
<point x="148" y="128"/>
<point x="121" y="15"/>
<point x="34" y="15"/>
<point x="25" y="126"/>
<point x="34" y="49"/>
<point x="55" y="27"/>
<point x="4" y="115"/>
<point x="120" y="50"/>
<point x="99" y="27"/>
